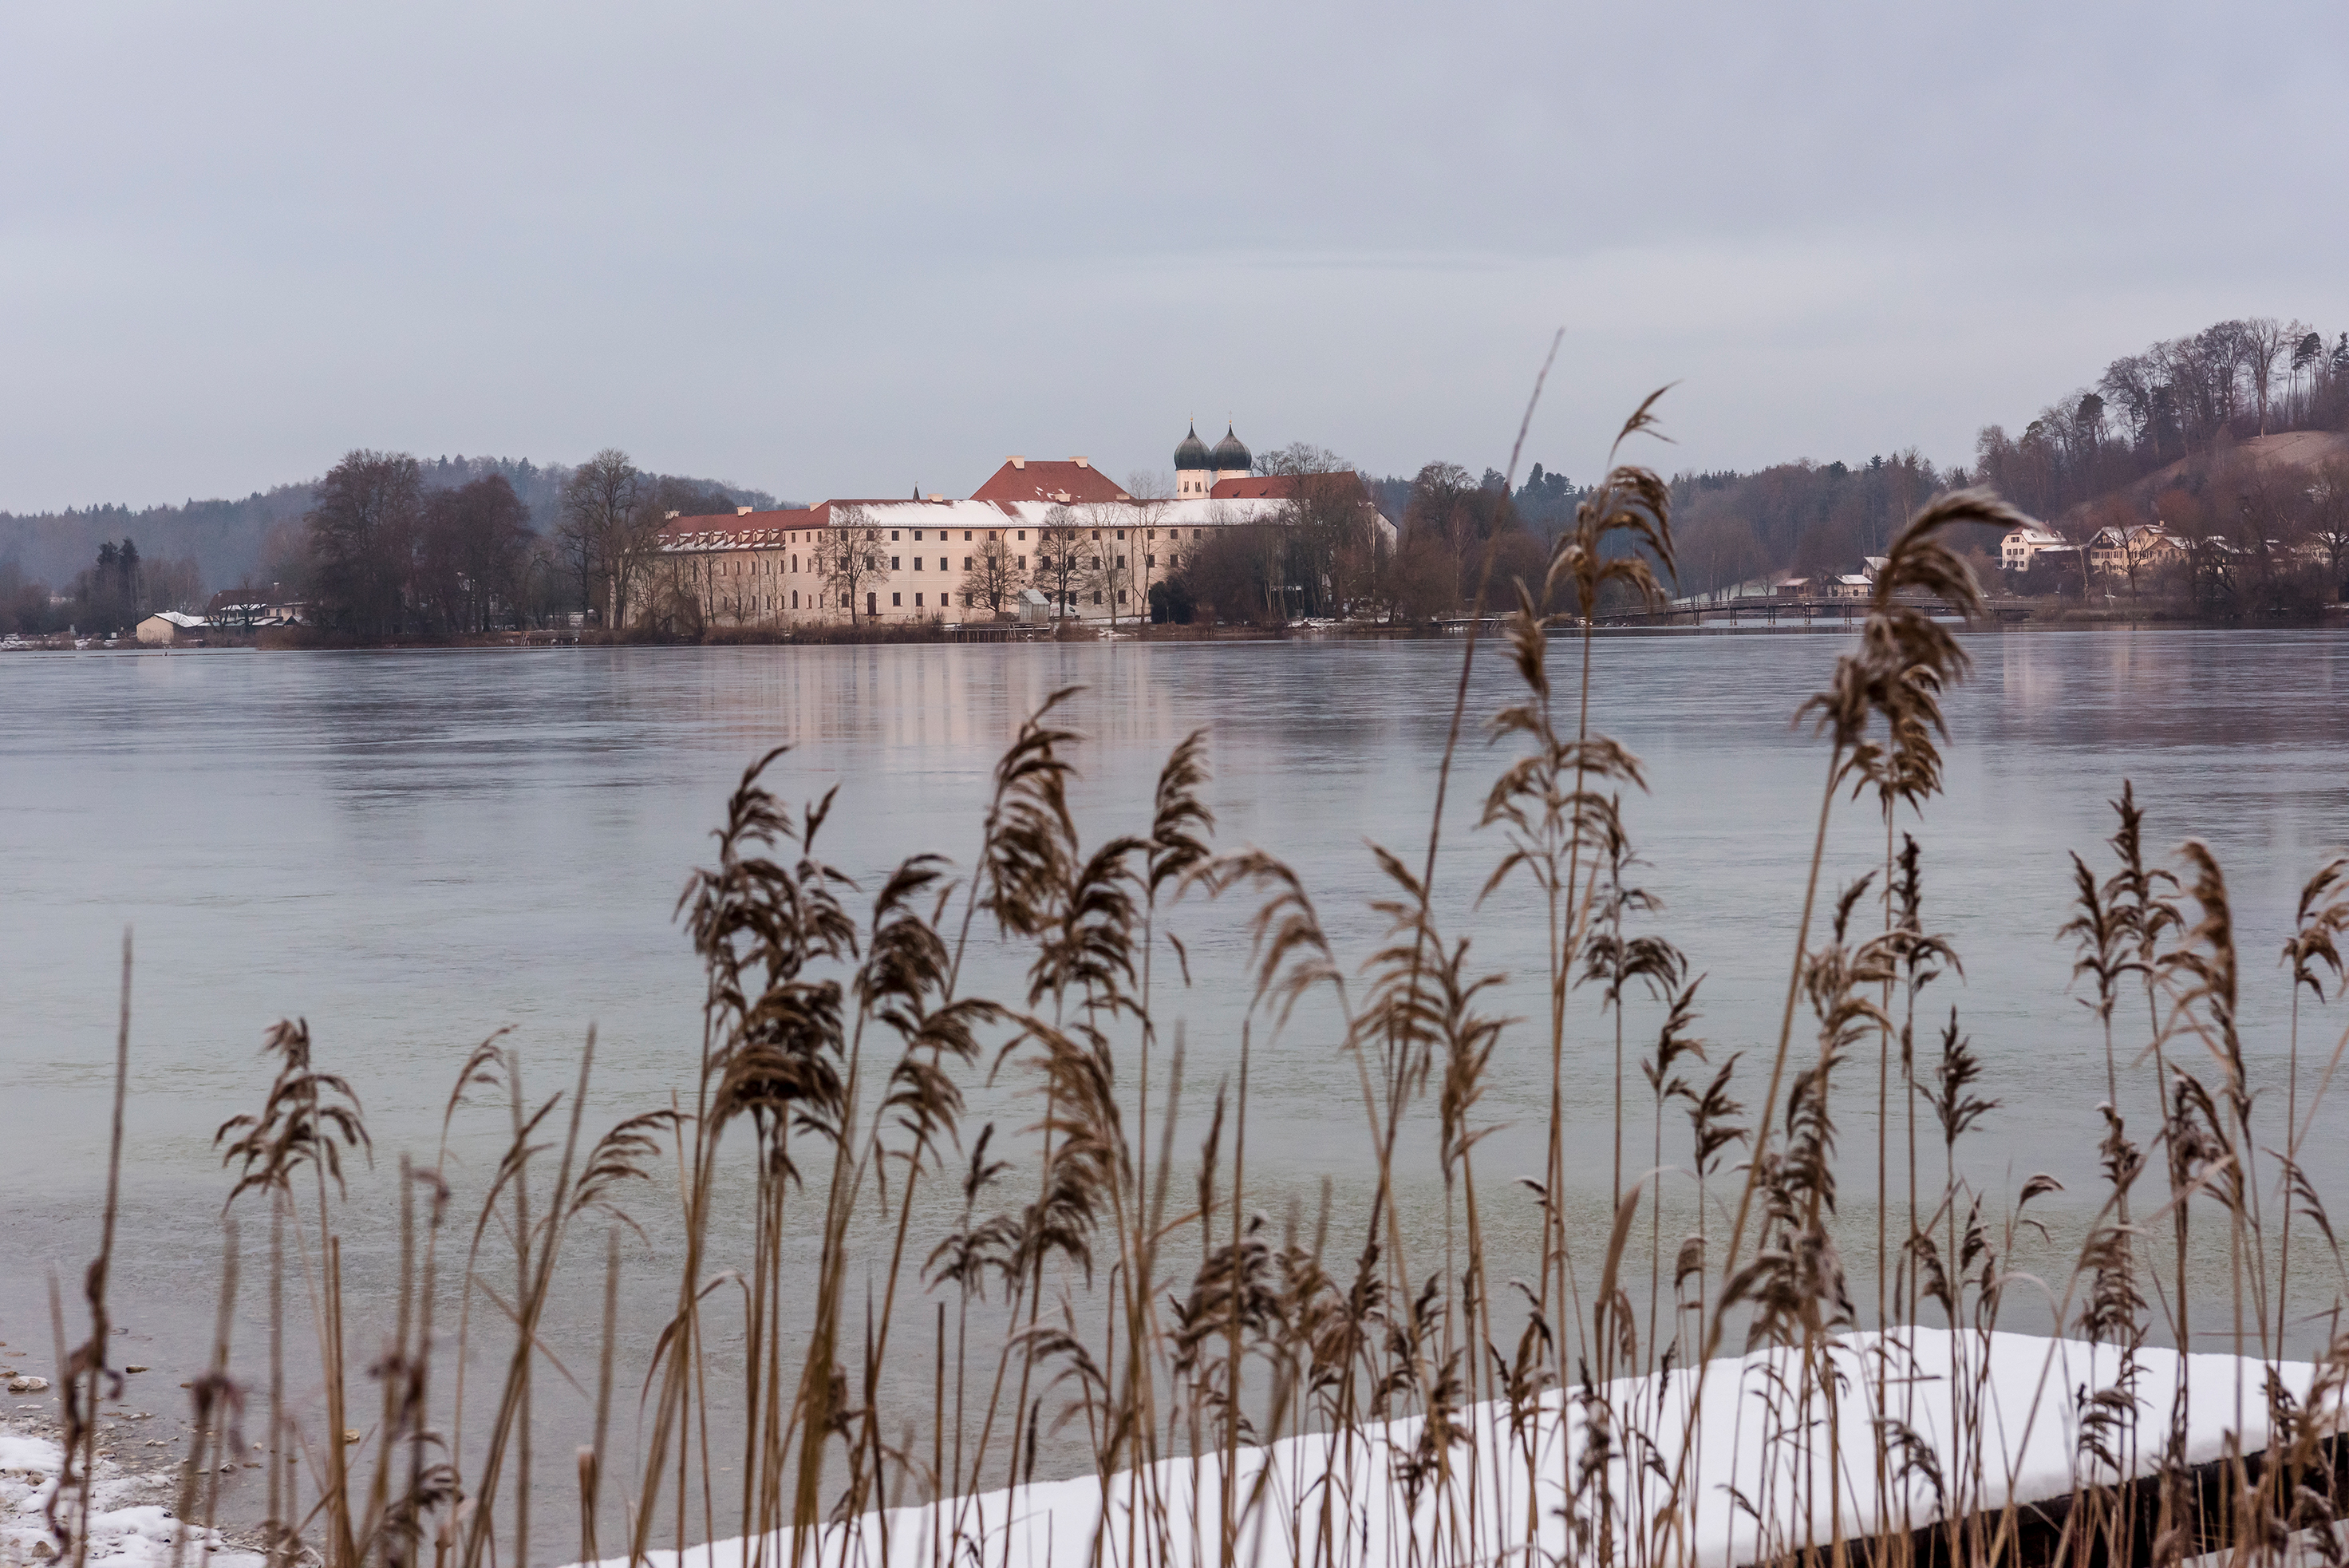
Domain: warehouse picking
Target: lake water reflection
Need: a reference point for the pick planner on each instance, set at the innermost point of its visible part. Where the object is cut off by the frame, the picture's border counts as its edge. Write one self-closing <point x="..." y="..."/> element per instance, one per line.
<point x="410" y="850"/>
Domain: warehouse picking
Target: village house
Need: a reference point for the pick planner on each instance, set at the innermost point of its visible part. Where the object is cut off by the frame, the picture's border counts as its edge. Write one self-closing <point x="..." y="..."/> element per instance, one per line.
<point x="2116" y="552"/>
<point x="2021" y="547"/>
<point x="167" y="628"/>
<point x="905" y="561"/>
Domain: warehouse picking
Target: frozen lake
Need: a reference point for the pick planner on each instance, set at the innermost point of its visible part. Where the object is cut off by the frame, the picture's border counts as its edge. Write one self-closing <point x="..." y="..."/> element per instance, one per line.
<point x="411" y="850"/>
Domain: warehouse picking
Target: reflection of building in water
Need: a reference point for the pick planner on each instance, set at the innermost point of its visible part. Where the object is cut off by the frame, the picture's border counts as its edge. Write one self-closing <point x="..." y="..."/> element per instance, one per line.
<point x="1062" y="528"/>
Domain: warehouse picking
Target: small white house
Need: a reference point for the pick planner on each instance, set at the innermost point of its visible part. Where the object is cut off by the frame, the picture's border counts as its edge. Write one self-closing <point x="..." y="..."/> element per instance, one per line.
<point x="165" y="628"/>
<point x="2019" y="547"/>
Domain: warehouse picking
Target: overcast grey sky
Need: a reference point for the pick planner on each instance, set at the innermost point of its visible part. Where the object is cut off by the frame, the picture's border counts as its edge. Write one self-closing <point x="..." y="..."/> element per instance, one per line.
<point x="851" y="251"/>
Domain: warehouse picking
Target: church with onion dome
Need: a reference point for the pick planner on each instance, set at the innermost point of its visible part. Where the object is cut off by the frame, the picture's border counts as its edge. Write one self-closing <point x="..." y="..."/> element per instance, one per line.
<point x="1197" y="470"/>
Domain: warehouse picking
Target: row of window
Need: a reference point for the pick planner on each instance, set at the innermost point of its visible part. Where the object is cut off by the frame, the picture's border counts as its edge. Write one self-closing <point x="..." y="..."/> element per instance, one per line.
<point x="758" y="565"/>
<point x="896" y="601"/>
<point x="1021" y="534"/>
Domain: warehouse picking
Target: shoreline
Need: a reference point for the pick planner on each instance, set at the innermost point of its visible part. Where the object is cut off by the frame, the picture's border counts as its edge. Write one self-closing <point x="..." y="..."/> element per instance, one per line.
<point x="521" y="642"/>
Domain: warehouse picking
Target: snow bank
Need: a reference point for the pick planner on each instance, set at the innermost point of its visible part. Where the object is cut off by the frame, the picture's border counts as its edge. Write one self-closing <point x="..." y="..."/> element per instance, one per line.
<point x="1995" y="1418"/>
<point x="124" y="1529"/>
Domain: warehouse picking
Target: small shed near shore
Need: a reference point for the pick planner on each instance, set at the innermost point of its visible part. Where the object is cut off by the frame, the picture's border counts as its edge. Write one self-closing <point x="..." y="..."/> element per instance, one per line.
<point x="165" y="628"/>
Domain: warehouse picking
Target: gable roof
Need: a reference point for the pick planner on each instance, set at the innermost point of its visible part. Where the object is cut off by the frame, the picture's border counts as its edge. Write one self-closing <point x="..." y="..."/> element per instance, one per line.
<point x="1025" y="479"/>
<point x="1284" y="486"/>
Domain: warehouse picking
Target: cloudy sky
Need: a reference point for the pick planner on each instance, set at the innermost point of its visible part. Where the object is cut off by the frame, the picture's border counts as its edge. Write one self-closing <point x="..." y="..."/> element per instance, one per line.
<point x="855" y="249"/>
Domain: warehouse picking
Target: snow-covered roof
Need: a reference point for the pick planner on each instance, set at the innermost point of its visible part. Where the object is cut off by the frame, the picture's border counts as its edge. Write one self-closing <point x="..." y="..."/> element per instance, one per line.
<point x="185" y="622"/>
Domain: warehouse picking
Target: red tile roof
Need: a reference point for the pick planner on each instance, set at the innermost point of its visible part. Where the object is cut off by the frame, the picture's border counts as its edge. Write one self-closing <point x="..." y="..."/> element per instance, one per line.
<point x="1026" y="479"/>
<point x="1276" y="486"/>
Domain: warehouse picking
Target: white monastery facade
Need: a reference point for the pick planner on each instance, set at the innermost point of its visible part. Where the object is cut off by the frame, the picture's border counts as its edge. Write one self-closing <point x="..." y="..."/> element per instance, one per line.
<point x="1060" y="526"/>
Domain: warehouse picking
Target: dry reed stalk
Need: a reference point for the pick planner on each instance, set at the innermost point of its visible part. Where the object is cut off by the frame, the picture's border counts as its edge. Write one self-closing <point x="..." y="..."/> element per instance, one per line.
<point x="85" y="1375"/>
<point x="1262" y="1342"/>
<point x="217" y="1402"/>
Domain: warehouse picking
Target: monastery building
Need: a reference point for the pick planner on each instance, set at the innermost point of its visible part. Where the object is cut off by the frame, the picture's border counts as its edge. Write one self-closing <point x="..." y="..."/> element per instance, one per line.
<point x="1038" y="539"/>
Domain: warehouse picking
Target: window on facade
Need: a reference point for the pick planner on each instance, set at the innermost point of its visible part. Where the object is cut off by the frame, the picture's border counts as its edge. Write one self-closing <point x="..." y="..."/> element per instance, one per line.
<point x="1096" y="596"/>
<point x="1120" y="560"/>
<point x="918" y="563"/>
<point x="966" y="563"/>
<point x="1121" y="595"/>
<point x="795" y="598"/>
<point x="1149" y="562"/>
<point x="1096" y="532"/>
<point x="1023" y="536"/>
<point x="1023" y="563"/>
<point x="1096" y="567"/>
<point x="1121" y="533"/>
<point x="893" y="563"/>
<point x="965" y="535"/>
<point x="892" y="536"/>
<point x="896" y="601"/>
<point x="917" y="535"/>
<point x="917" y="601"/>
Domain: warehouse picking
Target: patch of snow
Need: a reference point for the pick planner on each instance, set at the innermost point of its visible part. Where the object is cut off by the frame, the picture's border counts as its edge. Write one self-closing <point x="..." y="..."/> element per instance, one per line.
<point x="1762" y="1477"/>
<point x="127" y="1527"/>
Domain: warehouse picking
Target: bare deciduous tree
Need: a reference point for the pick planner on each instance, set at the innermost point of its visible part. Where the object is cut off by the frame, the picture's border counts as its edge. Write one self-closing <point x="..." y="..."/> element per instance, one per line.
<point x="2264" y="341"/>
<point x="989" y="576"/>
<point x="362" y="538"/>
<point x="1106" y="555"/>
<point x="848" y="557"/>
<point x="1059" y="569"/>
<point x="602" y="507"/>
<point x="471" y="545"/>
<point x="1149" y="553"/>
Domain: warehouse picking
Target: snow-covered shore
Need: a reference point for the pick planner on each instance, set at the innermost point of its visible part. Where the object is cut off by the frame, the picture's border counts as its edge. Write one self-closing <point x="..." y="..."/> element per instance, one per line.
<point x="1995" y="1418"/>
<point x="129" y="1527"/>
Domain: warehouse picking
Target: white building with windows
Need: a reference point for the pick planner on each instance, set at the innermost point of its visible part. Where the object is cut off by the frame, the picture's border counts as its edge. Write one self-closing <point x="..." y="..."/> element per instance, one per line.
<point x="1062" y="528"/>
<point x="2021" y="547"/>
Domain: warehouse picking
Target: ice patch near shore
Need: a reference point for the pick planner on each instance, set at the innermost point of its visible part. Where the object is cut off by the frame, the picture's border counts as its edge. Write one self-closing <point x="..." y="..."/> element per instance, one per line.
<point x="1762" y="1477"/>
<point x="124" y="1529"/>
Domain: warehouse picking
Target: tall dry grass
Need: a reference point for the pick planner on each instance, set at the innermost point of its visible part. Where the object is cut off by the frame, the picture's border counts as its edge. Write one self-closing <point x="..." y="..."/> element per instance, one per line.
<point x="1080" y="1280"/>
